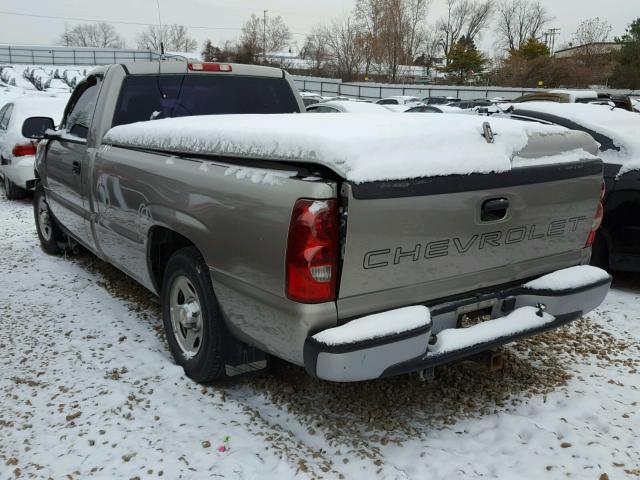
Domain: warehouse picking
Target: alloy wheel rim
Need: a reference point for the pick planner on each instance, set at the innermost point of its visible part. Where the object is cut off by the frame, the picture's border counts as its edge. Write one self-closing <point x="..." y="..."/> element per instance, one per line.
<point x="186" y="316"/>
<point x="44" y="220"/>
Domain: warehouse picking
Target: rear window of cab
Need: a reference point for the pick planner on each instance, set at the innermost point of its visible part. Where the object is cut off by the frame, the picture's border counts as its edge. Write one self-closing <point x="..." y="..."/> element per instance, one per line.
<point x="152" y="97"/>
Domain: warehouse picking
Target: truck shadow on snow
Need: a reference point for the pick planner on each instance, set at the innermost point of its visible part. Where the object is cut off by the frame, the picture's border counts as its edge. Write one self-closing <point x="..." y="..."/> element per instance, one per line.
<point x="368" y="414"/>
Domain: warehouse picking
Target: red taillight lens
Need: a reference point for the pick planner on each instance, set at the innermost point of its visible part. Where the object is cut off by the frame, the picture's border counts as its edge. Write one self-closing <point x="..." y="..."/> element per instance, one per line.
<point x="597" y="219"/>
<point x="312" y="251"/>
<point x="24" y="150"/>
<point x="210" y="67"/>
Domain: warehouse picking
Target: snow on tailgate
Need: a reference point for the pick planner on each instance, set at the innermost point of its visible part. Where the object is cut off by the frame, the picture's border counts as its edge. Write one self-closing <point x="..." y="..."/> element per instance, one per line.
<point x="357" y="147"/>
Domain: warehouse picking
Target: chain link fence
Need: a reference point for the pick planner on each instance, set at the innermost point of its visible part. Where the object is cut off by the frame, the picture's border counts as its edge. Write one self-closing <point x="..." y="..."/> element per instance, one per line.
<point x="335" y="88"/>
<point x="39" y="55"/>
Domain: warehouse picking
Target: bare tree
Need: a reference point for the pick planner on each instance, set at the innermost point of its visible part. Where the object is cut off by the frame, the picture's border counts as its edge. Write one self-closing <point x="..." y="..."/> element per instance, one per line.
<point x="174" y="37"/>
<point x="369" y="15"/>
<point x="452" y="25"/>
<point x="151" y="38"/>
<point x="432" y="49"/>
<point x="393" y="31"/>
<point x="260" y="36"/>
<point x="518" y="21"/>
<point x="346" y="48"/>
<point x="464" y="18"/>
<point x="479" y="15"/>
<point x="278" y="34"/>
<point x="590" y="33"/>
<point x="315" y="48"/>
<point x="98" y="35"/>
<point x="251" y="35"/>
<point x="178" y="39"/>
<point x="414" y="16"/>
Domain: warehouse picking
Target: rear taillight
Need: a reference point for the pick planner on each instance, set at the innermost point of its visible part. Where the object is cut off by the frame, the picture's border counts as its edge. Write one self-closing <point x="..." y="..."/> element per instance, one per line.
<point x="312" y="251"/>
<point x="22" y="150"/>
<point x="210" y="67"/>
<point x="597" y="219"/>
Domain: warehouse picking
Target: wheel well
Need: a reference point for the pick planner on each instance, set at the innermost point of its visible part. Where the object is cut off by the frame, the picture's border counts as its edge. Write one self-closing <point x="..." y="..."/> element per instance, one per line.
<point x="163" y="243"/>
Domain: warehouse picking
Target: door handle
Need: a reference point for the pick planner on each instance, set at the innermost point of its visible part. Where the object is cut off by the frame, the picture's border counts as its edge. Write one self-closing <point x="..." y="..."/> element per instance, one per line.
<point x="494" y="209"/>
<point x="75" y="167"/>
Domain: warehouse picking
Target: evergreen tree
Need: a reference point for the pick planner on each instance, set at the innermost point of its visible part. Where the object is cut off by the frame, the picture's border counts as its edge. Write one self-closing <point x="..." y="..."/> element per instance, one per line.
<point x="464" y="60"/>
<point x="533" y="49"/>
<point x="627" y="73"/>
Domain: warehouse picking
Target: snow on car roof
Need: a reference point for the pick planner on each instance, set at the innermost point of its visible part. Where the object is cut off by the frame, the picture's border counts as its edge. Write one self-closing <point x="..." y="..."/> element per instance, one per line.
<point x="401" y="97"/>
<point x="360" y="148"/>
<point x="309" y="94"/>
<point x="37" y="106"/>
<point x="401" y="108"/>
<point x="575" y="95"/>
<point x="449" y="109"/>
<point x="621" y="126"/>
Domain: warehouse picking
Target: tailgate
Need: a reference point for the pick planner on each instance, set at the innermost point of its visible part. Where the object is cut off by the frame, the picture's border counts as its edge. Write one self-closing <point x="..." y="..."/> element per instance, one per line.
<point x="425" y="239"/>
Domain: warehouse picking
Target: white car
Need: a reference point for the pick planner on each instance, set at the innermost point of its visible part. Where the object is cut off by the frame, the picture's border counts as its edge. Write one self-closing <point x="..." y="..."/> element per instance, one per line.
<point x="398" y="100"/>
<point x="337" y="106"/>
<point x="17" y="153"/>
<point x="403" y="108"/>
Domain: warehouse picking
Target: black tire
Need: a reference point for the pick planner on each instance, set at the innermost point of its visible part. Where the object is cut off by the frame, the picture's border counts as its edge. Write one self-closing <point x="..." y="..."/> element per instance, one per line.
<point x="12" y="191"/>
<point x="52" y="240"/>
<point x="600" y="252"/>
<point x="207" y="365"/>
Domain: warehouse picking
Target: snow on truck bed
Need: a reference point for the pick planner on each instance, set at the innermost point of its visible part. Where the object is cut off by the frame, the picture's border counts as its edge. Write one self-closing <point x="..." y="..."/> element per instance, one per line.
<point x="359" y="148"/>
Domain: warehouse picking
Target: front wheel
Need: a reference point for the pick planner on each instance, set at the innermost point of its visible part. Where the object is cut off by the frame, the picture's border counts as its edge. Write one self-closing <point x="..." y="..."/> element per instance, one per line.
<point x="49" y="232"/>
<point x="191" y="316"/>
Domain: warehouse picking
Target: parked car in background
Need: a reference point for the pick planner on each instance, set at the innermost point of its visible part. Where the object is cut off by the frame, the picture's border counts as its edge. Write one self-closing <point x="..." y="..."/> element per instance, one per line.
<point x="309" y="98"/>
<point x="17" y="153"/>
<point x="469" y="104"/>
<point x="346" y="107"/>
<point x="576" y="96"/>
<point x="433" y="109"/>
<point x="559" y="96"/>
<point x="398" y="100"/>
<point x="617" y="244"/>
<point x="614" y="100"/>
<point x="402" y="108"/>
<point x="344" y="99"/>
<point x="439" y="100"/>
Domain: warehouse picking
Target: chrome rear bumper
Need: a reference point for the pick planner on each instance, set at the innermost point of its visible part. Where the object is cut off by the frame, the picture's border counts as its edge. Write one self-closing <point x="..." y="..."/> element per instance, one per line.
<point x="517" y="313"/>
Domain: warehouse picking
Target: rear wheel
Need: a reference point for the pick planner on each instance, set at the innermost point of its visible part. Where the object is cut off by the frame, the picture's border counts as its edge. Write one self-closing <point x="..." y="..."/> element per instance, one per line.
<point x="13" y="191"/>
<point x="191" y="316"/>
<point x="49" y="232"/>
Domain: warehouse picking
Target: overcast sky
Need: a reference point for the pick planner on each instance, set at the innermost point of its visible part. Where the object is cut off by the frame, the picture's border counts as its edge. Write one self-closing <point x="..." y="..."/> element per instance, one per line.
<point x="223" y="19"/>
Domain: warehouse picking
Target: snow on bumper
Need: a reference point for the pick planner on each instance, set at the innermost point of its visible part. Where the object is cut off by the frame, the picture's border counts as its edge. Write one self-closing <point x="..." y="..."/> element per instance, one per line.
<point x="406" y="340"/>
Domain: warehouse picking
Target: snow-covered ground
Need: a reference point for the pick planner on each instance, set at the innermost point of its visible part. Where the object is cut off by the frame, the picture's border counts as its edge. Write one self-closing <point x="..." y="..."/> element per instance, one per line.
<point x="88" y="390"/>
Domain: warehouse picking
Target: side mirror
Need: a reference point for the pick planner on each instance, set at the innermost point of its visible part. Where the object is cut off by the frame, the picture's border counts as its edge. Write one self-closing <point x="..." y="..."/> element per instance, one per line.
<point x="35" y="127"/>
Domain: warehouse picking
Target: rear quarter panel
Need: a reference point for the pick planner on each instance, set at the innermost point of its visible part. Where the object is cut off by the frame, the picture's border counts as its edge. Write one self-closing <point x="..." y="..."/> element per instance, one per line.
<point x="237" y="217"/>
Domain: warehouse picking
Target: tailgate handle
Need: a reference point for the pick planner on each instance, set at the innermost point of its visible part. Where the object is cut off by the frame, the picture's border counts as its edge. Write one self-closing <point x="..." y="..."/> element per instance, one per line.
<point x="75" y="167"/>
<point x="494" y="209"/>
